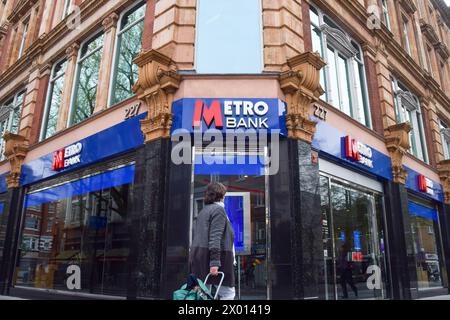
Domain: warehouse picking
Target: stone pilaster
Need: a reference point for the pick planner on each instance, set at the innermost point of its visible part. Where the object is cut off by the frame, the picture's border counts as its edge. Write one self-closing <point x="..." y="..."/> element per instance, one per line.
<point x="174" y="31"/>
<point x="110" y="29"/>
<point x="301" y="85"/>
<point x="156" y="85"/>
<point x="72" y="56"/>
<point x="397" y="143"/>
<point x="283" y="32"/>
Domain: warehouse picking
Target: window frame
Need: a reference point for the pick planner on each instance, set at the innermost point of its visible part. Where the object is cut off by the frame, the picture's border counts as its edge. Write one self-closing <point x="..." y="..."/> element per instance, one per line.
<point x="350" y="54"/>
<point x="67" y="8"/>
<point x="408" y="109"/>
<point x="49" y="96"/>
<point x="7" y="115"/>
<point x="98" y="33"/>
<point x="405" y="33"/>
<point x="386" y="15"/>
<point x="444" y="131"/>
<point x="116" y="52"/>
<point x="23" y="40"/>
<point x="261" y="42"/>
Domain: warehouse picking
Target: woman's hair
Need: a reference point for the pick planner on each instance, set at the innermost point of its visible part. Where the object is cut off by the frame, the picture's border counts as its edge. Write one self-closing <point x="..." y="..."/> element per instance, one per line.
<point x="215" y="192"/>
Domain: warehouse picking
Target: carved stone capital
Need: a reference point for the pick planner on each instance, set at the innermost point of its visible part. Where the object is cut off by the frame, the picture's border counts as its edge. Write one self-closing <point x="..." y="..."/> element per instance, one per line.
<point x="444" y="175"/>
<point x="72" y="51"/>
<point x="397" y="143"/>
<point x="301" y="85"/>
<point x="156" y="85"/>
<point x="110" y="21"/>
<point x="16" y="148"/>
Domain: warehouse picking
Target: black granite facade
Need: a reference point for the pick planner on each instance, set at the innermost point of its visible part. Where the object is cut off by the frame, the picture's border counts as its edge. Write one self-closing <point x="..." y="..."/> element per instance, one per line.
<point x="148" y="220"/>
<point x="401" y="253"/>
<point x="13" y="211"/>
<point x="306" y="226"/>
<point x="444" y="218"/>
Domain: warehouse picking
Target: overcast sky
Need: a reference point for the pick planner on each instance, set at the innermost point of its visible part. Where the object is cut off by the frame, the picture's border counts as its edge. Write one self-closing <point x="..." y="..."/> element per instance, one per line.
<point x="447" y="2"/>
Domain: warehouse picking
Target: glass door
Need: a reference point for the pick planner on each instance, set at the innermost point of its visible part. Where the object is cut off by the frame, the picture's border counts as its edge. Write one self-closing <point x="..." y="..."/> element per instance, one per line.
<point x="353" y="238"/>
<point x="246" y="206"/>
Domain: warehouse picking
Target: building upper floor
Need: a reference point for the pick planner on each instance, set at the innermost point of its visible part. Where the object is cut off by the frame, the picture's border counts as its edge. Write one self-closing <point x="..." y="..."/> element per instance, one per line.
<point x="63" y="62"/>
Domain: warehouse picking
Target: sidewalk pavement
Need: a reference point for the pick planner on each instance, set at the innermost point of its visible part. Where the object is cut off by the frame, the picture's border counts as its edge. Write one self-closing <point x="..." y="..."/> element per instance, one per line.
<point x="10" y="298"/>
<point x="444" y="297"/>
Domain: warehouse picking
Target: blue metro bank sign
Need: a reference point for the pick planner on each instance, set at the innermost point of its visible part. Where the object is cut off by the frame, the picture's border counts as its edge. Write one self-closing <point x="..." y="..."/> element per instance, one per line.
<point x="227" y="114"/>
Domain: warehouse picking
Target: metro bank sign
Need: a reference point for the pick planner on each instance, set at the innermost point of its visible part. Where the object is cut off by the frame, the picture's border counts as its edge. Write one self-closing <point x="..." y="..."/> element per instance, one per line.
<point x="67" y="157"/>
<point x="229" y="114"/>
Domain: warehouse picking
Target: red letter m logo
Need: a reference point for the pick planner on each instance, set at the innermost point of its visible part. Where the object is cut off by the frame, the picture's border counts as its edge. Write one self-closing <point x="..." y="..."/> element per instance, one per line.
<point x="213" y="113"/>
<point x="58" y="160"/>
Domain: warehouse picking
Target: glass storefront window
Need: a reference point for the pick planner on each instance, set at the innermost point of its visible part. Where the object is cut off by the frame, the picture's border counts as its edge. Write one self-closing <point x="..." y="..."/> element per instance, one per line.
<point x="2" y="228"/>
<point x="83" y="224"/>
<point x="424" y="222"/>
<point x="354" y="242"/>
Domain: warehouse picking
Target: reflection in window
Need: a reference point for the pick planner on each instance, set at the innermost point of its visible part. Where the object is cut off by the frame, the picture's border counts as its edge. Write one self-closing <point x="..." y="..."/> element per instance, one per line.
<point x="86" y="83"/>
<point x="126" y="72"/>
<point x="88" y="230"/>
<point x="386" y="18"/>
<point x="344" y="77"/>
<point x="23" y="39"/>
<point x="229" y="36"/>
<point x="54" y="100"/>
<point x="9" y="118"/>
<point x="425" y="222"/>
<point x="67" y="8"/>
<point x="407" y="109"/>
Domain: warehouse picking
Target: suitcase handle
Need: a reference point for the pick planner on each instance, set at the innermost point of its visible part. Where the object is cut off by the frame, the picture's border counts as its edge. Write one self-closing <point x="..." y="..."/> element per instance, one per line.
<point x="220" y="283"/>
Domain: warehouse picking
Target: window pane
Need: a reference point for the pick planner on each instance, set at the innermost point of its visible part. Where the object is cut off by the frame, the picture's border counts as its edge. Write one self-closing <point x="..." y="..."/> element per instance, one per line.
<point x="229" y="36"/>
<point x="86" y="92"/>
<point x="358" y="71"/>
<point x="88" y="230"/>
<point x="127" y="72"/>
<point x="314" y="16"/>
<point x="133" y="16"/>
<point x="345" y="87"/>
<point x="55" y="103"/>
<point x="413" y="133"/>
<point x="92" y="45"/>
<point x="332" y="70"/>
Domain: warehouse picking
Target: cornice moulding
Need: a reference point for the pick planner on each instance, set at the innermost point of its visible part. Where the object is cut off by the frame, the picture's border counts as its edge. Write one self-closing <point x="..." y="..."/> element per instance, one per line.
<point x="20" y="9"/>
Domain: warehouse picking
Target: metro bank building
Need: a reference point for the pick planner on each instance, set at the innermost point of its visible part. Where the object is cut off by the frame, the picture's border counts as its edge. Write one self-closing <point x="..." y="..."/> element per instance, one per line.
<point x="106" y="208"/>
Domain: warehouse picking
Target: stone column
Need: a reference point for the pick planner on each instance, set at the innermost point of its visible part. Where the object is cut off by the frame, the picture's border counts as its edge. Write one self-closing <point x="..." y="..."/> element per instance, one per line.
<point x="157" y="83"/>
<point x="402" y="263"/>
<point x="106" y="65"/>
<point x="72" y="56"/>
<point x="302" y="226"/>
<point x="16" y="149"/>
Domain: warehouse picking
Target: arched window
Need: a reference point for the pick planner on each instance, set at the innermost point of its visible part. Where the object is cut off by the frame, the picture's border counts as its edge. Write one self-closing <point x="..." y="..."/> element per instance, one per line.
<point x="407" y="109"/>
<point x="344" y="77"/>
<point x="128" y="46"/>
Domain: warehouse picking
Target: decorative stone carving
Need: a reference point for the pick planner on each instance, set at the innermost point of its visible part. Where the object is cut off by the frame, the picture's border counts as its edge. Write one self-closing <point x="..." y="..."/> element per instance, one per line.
<point x="110" y="21"/>
<point x="443" y="51"/>
<point x="301" y="85"/>
<point x="444" y="174"/>
<point x="429" y="32"/>
<point x="397" y="143"/>
<point x="156" y="85"/>
<point x="409" y="6"/>
<point x="16" y="148"/>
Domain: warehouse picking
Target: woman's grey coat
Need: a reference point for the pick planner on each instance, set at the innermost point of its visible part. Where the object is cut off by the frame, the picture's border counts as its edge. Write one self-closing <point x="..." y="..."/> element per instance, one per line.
<point x="212" y="245"/>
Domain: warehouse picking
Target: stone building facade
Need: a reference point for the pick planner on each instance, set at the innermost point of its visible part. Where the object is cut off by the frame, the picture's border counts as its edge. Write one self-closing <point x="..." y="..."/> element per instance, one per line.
<point x="92" y="91"/>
